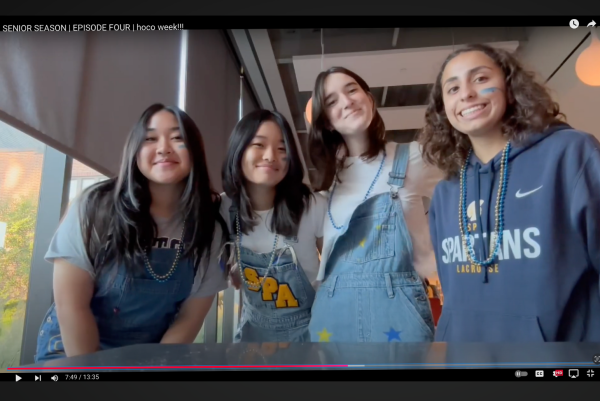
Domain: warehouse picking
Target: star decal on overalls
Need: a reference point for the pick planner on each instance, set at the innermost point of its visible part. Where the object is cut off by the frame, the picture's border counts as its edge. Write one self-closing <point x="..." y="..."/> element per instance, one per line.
<point x="324" y="336"/>
<point x="393" y="335"/>
<point x="363" y="242"/>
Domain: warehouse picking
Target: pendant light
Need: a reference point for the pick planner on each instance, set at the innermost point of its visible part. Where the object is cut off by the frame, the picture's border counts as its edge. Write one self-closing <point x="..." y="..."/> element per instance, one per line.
<point x="587" y="66"/>
<point x="308" y="110"/>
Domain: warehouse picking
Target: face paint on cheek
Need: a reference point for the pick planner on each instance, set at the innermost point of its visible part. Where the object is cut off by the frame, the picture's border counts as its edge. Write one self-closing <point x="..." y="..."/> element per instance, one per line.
<point x="488" y="91"/>
<point x="182" y="146"/>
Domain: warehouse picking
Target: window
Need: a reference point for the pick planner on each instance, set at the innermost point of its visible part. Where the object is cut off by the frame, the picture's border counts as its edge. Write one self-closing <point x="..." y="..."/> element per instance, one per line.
<point x="21" y="159"/>
<point x="83" y="177"/>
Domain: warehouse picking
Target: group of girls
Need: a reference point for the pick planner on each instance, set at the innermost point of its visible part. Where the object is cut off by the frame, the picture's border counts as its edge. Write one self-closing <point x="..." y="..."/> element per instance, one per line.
<point x="513" y="224"/>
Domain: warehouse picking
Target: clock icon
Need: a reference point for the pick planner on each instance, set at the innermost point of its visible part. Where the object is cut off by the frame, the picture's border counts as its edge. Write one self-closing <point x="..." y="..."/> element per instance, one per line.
<point x="574" y="24"/>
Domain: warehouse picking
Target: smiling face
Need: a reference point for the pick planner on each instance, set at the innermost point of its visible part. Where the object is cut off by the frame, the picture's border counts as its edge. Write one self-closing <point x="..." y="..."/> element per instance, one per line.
<point x="474" y="94"/>
<point x="163" y="157"/>
<point x="348" y="108"/>
<point x="264" y="161"/>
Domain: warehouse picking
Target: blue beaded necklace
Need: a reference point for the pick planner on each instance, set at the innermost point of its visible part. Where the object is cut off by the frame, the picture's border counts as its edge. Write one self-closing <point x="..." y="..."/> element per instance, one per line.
<point x="366" y="196"/>
<point x="499" y="221"/>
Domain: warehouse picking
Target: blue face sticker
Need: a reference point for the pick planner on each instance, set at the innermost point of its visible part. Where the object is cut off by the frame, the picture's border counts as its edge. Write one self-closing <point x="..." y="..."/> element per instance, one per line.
<point x="487" y="90"/>
<point x="182" y="146"/>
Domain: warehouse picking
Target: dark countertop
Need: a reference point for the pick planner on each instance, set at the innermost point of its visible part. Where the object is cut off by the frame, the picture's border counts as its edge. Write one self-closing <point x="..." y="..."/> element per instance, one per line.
<point x="316" y="355"/>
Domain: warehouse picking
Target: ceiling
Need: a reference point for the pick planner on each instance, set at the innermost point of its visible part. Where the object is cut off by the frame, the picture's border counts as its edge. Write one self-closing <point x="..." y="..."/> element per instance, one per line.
<point x="399" y="64"/>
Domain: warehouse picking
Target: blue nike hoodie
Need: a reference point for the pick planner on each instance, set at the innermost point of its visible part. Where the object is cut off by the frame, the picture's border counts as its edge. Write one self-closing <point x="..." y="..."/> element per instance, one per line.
<point x="544" y="284"/>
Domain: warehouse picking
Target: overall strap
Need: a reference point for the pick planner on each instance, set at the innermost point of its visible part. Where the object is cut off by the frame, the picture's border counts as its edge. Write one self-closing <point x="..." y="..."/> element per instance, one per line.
<point x="398" y="173"/>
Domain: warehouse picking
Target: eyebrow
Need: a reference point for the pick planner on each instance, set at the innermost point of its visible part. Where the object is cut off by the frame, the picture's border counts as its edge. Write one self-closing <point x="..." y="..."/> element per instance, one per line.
<point x="345" y="86"/>
<point x="264" y="137"/>
<point x="149" y="129"/>
<point x="471" y="72"/>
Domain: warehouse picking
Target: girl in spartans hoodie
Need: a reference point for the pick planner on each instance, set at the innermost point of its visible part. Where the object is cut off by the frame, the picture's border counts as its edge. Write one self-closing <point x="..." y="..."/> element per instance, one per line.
<point x="515" y="225"/>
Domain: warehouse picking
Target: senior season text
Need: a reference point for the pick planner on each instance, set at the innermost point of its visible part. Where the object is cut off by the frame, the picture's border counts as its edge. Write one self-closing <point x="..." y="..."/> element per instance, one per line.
<point x="68" y="28"/>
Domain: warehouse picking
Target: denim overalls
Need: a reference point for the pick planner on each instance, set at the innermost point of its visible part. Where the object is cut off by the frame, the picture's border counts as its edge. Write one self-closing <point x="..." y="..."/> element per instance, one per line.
<point x="280" y="310"/>
<point x="128" y="309"/>
<point x="370" y="291"/>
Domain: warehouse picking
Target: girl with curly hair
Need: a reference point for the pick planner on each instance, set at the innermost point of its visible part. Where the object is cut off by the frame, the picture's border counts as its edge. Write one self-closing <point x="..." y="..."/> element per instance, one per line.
<point x="515" y="224"/>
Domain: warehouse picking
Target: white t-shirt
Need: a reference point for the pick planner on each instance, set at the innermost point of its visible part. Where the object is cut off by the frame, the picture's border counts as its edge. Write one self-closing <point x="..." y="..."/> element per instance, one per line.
<point x="420" y="181"/>
<point x="261" y="239"/>
<point x="67" y="243"/>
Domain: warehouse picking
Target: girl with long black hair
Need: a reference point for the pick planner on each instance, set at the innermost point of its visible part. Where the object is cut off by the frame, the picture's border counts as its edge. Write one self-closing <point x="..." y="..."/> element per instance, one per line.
<point x="276" y="227"/>
<point x="135" y="258"/>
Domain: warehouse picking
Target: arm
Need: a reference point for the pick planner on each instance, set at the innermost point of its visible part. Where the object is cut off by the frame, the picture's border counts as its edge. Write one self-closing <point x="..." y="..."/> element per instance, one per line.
<point x="73" y="291"/>
<point x="189" y="321"/>
<point x="209" y="281"/>
<point x="319" y="213"/>
<point x="424" y="175"/>
<point x="585" y="205"/>
<point x="73" y="285"/>
<point x="436" y="282"/>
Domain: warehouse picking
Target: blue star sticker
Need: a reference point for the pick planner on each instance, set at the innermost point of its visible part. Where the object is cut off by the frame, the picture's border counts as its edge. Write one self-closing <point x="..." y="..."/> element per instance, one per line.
<point x="393" y="335"/>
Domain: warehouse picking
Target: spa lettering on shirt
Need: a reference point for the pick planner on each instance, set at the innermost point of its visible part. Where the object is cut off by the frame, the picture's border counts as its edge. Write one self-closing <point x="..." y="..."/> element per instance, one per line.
<point x="166" y="242"/>
<point x="520" y="243"/>
<point x="272" y="290"/>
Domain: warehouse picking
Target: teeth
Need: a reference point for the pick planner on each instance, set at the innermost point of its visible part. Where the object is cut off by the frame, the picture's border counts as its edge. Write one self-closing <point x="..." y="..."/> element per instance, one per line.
<point x="472" y="109"/>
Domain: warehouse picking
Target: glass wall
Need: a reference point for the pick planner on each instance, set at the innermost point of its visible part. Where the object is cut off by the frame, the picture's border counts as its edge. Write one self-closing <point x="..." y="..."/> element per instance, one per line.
<point x="21" y="159"/>
<point x="82" y="177"/>
<point x="28" y="169"/>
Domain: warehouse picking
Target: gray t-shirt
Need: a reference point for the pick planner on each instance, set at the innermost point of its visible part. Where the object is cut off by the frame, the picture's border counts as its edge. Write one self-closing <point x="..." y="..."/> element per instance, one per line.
<point x="67" y="243"/>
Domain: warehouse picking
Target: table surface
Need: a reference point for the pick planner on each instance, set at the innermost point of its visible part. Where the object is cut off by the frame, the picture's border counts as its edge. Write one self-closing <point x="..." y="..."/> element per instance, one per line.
<point x="327" y="355"/>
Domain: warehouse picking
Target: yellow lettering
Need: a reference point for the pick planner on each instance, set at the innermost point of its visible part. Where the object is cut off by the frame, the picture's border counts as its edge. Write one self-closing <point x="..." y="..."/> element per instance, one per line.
<point x="470" y="269"/>
<point x="252" y="277"/>
<point x="269" y="288"/>
<point x="285" y="298"/>
<point x="493" y="269"/>
<point x="471" y="227"/>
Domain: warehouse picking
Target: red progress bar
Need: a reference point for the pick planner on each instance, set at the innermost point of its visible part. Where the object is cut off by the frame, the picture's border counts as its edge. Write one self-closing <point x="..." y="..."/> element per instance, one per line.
<point x="182" y="367"/>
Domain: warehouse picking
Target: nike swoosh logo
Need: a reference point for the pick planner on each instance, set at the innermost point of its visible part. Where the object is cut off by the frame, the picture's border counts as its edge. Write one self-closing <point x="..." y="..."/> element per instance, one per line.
<point x="522" y="195"/>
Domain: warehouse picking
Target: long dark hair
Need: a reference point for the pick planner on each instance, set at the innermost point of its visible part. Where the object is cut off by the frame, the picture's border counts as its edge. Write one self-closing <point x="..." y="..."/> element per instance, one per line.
<point x="324" y="144"/>
<point x="115" y="214"/>
<point x="529" y="109"/>
<point x="292" y="196"/>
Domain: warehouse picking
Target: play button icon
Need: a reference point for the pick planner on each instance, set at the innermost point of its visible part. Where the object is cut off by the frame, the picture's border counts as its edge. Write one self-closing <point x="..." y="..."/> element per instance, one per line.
<point x="17" y="378"/>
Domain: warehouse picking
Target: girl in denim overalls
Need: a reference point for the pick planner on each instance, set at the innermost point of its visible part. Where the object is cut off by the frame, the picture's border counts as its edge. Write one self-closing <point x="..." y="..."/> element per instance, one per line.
<point x="276" y="226"/>
<point x="376" y="251"/>
<point x="131" y="257"/>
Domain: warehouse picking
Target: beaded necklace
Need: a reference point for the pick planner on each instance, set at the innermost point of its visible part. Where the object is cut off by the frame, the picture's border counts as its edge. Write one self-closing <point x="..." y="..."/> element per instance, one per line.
<point x="366" y="195"/>
<point x="499" y="220"/>
<point x="165" y="277"/>
<point x="250" y="285"/>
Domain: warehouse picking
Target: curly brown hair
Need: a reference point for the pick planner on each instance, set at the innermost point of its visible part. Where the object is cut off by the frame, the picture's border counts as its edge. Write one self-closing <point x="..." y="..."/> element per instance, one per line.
<point x="529" y="109"/>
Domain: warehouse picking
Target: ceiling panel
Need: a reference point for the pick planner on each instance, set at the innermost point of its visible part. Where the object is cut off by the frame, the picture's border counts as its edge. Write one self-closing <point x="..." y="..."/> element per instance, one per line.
<point x="383" y="68"/>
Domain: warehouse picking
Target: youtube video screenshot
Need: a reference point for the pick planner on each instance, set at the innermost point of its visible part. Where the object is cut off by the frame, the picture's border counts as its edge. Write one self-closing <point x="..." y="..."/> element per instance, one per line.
<point x="397" y="197"/>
